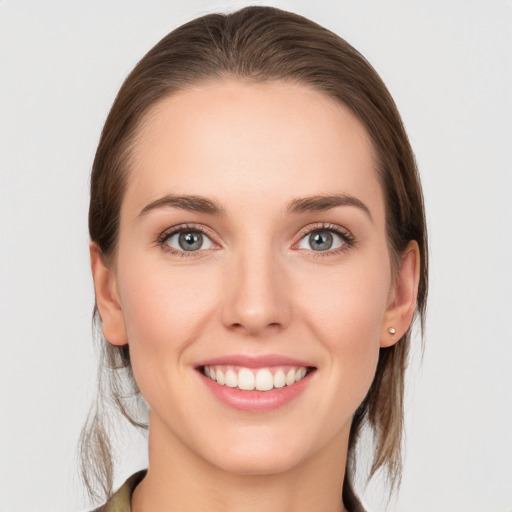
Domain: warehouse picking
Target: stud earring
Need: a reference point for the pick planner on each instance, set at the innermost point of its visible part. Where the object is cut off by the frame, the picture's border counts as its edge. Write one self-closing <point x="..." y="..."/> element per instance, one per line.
<point x="391" y="330"/>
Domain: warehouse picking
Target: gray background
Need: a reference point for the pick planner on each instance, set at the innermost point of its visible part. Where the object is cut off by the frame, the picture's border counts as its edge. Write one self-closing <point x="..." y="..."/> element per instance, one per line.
<point x="448" y="66"/>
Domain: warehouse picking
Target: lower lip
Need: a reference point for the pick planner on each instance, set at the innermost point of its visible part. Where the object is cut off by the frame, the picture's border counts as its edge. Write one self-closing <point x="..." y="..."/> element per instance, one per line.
<point x="257" y="401"/>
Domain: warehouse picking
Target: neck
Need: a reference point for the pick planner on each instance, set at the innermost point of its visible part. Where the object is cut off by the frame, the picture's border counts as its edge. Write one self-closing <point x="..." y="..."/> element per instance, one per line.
<point x="178" y="479"/>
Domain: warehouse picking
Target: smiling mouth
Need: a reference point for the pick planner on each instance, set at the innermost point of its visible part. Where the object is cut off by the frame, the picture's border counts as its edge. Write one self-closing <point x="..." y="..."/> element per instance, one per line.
<point x="259" y="379"/>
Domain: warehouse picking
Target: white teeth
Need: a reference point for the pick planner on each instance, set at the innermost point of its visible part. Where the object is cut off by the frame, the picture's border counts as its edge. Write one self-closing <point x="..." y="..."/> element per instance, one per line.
<point x="220" y="377"/>
<point x="245" y="379"/>
<point x="300" y="374"/>
<point x="264" y="380"/>
<point x="279" y="379"/>
<point x="248" y="379"/>
<point x="290" y="377"/>
<point x="231" y="379"/>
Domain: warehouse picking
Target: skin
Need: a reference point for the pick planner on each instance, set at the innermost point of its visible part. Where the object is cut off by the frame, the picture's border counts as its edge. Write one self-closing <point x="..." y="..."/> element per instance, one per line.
<point x="257" y="289"/>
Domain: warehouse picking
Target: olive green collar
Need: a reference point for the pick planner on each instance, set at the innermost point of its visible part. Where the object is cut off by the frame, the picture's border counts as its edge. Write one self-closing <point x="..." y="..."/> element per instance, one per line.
<point x="121" y="500"/>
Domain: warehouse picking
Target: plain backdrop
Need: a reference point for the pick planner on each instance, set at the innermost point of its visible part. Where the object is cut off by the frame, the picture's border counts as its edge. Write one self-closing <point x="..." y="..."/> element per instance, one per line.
<point x="448" y="65"/>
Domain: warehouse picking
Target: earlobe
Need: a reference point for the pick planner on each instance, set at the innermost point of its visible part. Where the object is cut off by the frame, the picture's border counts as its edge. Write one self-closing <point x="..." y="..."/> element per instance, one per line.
<point x="107" y="298"/>
<point x="402" y="305"/>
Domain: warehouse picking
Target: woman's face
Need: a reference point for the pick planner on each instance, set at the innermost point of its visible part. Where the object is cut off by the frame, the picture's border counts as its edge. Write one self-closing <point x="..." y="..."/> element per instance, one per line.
<point x="252" y="251"/>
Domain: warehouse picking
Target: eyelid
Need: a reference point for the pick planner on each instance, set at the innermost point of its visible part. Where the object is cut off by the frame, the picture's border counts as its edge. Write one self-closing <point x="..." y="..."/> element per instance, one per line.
<point x="173" y="230"/>
<point x="341" y="231"/>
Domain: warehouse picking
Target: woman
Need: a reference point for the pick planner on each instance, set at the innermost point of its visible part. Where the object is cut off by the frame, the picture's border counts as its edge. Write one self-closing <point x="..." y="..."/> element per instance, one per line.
<point x="258" y="251"/>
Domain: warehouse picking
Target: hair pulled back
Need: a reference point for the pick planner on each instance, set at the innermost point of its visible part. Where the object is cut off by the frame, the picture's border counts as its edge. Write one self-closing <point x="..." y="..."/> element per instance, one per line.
<point x="258" y="44"/>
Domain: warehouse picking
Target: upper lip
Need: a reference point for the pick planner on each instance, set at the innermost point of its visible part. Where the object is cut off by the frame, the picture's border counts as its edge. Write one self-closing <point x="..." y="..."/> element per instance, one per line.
<point x="250" y="361"/>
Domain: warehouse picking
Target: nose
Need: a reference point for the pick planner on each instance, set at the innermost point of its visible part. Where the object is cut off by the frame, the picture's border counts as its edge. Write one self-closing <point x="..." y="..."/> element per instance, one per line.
<point x="257" y="295"/>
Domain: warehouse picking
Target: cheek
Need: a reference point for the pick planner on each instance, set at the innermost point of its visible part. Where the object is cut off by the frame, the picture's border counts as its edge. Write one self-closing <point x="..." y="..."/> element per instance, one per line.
<point x="346" y="310"/>
<point x="164" y="307"/>
<point x="348" y="299"/>
<point x="165" y="310"/>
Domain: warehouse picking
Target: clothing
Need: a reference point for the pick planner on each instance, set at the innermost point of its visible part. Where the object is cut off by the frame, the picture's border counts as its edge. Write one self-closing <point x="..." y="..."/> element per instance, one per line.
<point x="121" y="500"/>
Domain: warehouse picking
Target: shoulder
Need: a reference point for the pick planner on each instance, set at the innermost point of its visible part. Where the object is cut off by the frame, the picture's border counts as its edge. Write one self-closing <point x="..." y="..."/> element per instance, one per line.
<point x="120" y="501"/>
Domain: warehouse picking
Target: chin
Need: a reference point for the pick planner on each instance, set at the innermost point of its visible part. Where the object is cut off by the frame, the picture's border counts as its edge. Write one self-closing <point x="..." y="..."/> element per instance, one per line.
<point x="261" y="452"/>
<point x="258" y="464"/>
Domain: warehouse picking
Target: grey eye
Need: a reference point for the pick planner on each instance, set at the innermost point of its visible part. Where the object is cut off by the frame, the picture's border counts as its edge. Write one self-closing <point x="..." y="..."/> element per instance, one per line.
<point x="189" y="241"/>
<point x="320" y="240"/>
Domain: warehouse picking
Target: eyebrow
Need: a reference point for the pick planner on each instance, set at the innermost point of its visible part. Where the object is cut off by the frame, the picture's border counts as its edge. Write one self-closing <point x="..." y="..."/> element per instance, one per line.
<point x="202" y="204"/>
<point x="326" y="202"/>
<point x="190" y="203"/>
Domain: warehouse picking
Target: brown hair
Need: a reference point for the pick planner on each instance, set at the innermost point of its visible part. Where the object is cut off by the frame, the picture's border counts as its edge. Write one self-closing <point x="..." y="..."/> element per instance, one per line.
<point x="259" y="44"/>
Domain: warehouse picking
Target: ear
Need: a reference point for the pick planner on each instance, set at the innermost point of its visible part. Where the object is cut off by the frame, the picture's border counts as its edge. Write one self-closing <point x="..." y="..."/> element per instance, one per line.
<point x="107" y="298"/>
<point x="402" y="297"/>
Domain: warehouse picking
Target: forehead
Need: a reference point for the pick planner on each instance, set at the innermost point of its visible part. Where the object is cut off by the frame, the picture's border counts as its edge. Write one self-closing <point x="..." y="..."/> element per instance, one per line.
<point x="233" y="139"/>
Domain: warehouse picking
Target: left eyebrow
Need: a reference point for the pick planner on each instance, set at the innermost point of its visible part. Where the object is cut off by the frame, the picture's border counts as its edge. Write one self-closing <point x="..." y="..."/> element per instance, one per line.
<point x="325" y="202"/>
<point x="189" y="203"/>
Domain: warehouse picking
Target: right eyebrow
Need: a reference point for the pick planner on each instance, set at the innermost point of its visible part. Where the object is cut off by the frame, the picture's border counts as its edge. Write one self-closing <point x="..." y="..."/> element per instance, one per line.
<point x="190" y="203"/>
<point x="326" y="202"/>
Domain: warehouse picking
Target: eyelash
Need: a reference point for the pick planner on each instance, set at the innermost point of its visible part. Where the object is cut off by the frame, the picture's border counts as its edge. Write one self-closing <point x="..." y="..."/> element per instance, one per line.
<point x="167" y="234"/>
<point x="349" y="240"/>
